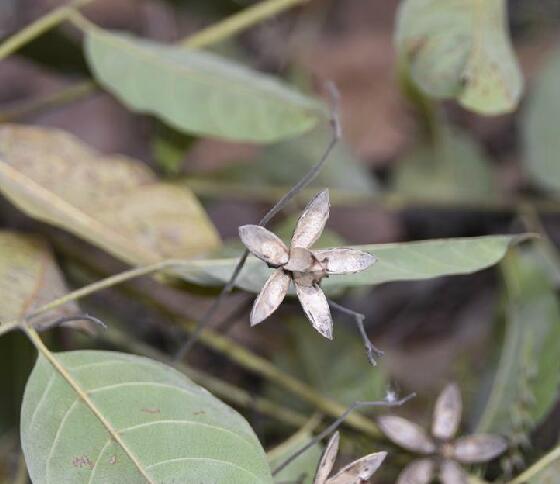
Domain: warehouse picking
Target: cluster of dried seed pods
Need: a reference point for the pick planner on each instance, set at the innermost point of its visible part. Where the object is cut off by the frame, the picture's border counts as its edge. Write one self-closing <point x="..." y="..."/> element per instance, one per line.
<point x="443" y="453"/>
<point x="302" y="265"/>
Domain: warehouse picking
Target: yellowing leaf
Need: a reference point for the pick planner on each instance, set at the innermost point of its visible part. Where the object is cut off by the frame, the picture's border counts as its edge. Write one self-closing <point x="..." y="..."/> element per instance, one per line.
<point x="199" y="92"/>
<point x="29" y="278"/>
<point x="461" y="49"/>
<point x="113" y="202"/>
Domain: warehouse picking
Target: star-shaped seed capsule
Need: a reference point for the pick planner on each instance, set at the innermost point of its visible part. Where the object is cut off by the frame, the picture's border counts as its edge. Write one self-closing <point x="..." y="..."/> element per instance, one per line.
<point x="300" y="264"/>
<point x="444" y="454"/>
<point x="357" y="472"/>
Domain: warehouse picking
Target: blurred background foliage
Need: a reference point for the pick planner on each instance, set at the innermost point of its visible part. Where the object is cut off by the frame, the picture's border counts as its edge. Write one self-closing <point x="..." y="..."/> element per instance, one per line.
<point x="413" y="164"/>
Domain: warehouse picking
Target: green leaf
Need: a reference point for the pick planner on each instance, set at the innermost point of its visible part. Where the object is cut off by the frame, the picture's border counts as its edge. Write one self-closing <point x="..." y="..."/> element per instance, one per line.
<point x="174" y="430"/>
<point x="29" y="278"/>
<point x="347" y="378"/>
<point x="460" y="49"/>
<point x="455" y="168"/>
<point x="527" y="375"/>
<point x="545" y="471"/>
<point x="198" y="92"/>
<point x="287" y="162"/>
<point x="540" y="127"/>
<point x="304" y="465"/>
<point x="113" y="202"/>
<point x="405" y="261"/>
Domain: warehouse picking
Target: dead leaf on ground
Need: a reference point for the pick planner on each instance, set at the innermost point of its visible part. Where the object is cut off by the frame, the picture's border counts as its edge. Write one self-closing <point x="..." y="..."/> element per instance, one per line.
<point x="113" y="202"/>
<point x="29" y="278"/>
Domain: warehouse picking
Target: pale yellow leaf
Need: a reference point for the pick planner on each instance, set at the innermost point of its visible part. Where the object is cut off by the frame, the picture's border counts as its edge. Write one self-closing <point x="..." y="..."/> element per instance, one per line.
<point x="113" y="202"/>
<point x="29" y="278"/>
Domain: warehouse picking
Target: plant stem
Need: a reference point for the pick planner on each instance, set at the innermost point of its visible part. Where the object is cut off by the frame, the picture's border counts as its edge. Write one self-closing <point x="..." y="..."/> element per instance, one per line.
<point x="106" y="283"/>
<point x="332" y="427"/>
<point x="537" y="467"/>
<point x="84" y="397"/>
<point x="239" y="22"/>
<point x="206" y="187"/>
<point x="371" y="351"/>
<point x="40" y="26"/>
<point x="223" y="389"/>
<point x="6" y="327"/>
<point x="63" y="96"/>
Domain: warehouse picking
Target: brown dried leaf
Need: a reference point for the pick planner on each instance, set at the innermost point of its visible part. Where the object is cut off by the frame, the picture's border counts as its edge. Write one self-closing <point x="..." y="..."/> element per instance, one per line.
<point x="312" y="221"/>
<point x="406" y="434"/>
<point x="360" y="470"/>
<point x="344" y="260"/>
<point x="447" y="412"/>
<point x="270" y="297"/>
<point x="420" y="471"/>
<point x="479" y="448"/>
<point x="29" y="278"/>
<point x="327" y="460"/>
<point x="316" y="308"/>
<point x="451" y="473"/>
<point x="264" y="244"/>
<point x="113" y="202"/>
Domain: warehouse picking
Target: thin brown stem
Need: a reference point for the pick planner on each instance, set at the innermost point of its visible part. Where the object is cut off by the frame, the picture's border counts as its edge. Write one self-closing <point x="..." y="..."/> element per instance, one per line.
<point x="359" y="318"/>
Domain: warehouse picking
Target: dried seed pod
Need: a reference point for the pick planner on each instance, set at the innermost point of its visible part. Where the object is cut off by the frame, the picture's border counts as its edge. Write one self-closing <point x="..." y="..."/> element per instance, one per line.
<point x="316" y="308"/>
<point x="420" y="471"/>
<point x="451" y="473"/>
<point x="327" y="460"/>
<point x="359" y="471"/>
<point x="301" y="260"/>
<point x="312" y="221"/>
<point x="479" y="448"/>
<point x="271" y="296"/>
<point x="406" y="434"/>
<point x="344" y="260"/>
<point x="447" y="412"/>
<point x="264" y="244"/>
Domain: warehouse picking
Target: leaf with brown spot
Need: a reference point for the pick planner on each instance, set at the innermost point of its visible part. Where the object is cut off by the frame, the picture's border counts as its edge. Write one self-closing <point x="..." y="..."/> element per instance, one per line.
<point x="29" y="278"/>
<point x="461" y="49"/>
<point x="113" y="202"/>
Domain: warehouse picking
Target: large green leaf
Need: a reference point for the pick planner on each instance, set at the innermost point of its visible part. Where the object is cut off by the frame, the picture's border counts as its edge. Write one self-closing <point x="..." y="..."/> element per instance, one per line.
<point x="540" y="127"/>
<point x="396" y="262"/>
<point x="170" y="429"/>
<point x="527" y="375"/>
<point x="114" y="202"/>
<point x="454" y="168"/>
<point x="460" y="49"/>
<point x="197" y="91"/>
